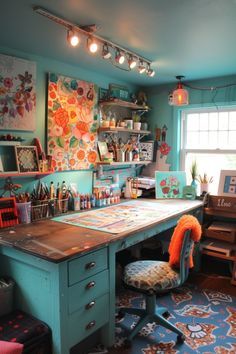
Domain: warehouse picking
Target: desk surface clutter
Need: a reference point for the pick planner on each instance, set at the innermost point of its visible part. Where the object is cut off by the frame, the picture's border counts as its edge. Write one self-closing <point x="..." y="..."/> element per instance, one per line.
<point x="80" y="232"/>
<point x="123" y="217"/>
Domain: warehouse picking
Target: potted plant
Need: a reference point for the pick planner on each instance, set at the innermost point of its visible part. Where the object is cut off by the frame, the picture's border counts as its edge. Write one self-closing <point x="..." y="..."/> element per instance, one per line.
<point x="136" y="120"/>
<point x="193" y="171"/>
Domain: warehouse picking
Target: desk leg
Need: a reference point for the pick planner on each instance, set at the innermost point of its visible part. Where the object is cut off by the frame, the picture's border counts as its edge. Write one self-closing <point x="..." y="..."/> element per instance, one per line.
<point x="108" y="331"/>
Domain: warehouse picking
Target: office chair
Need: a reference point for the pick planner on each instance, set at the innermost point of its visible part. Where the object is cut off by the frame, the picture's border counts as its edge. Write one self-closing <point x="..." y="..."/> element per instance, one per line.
<point x="155" y="277"/>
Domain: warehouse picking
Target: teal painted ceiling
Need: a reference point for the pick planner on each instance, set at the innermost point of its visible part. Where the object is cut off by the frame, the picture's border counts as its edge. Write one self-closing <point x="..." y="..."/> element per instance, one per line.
<point x="195" y="38"/>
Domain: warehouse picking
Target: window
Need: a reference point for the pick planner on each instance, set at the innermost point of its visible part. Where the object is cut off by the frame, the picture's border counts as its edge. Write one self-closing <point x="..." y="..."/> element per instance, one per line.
<point x="209" y="137"/>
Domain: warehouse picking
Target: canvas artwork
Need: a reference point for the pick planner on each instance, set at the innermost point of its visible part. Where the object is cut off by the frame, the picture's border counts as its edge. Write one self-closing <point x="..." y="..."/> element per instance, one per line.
<point x="17" y="94"/>
<point x="169" y="184"/>
<point x="72" y="123"/>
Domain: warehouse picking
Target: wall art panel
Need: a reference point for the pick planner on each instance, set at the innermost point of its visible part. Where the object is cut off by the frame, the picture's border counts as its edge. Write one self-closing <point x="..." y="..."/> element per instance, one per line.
<point x="72" y="123"/>
<point x="17" y="94"/>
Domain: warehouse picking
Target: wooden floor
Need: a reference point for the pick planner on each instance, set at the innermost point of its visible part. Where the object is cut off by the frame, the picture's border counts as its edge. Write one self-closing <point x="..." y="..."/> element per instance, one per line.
<point x="214" y="274"/>
<point x="214" y="282"/>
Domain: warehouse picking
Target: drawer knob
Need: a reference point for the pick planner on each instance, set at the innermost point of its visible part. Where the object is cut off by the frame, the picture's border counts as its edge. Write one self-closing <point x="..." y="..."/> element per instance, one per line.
<point x="90" y="285"/>
<point x="90" y="305"/>
<point x="90" y="265"/>
<point x="91" y="324"/>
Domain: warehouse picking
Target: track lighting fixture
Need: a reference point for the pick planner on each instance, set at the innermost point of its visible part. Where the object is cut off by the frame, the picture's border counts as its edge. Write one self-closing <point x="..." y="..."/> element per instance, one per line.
<point x="106" y="54"/>
<point x="120" y="58"/>
<point x="73" y="38"/>
<point x="141" y="68"/>
<point x="132" y="62"/>
<point x="92" y="45"/>
<point x="150" y="72"/>
<point x="179" y="95"/>
<point x="110" y="50"/>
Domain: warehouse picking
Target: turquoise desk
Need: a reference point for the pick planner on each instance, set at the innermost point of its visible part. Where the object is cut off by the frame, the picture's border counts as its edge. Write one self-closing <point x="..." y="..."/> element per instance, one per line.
<point x="65" y="274"/>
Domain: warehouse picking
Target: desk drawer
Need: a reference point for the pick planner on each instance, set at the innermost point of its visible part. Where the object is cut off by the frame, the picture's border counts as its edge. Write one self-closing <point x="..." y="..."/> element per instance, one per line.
<point x="221" y="231"/>
<point x="85" y="266"/>
<point x="87" y="290"/>
<point x="85" y="321"/>
<point x="223" y="235"/>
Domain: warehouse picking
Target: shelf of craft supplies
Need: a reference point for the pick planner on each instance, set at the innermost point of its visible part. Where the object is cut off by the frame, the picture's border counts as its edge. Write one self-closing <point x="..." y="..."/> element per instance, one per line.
<point x="114" y="163"/>
<point x="117" y="102"/>
<point x="24" y="174"/>
<point x="122" y="130"/>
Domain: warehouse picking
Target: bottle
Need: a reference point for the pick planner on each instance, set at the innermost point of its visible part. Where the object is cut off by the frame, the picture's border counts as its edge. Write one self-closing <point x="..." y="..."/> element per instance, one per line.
<point x="93" y="201"/>
<point x="63" y="189"/>
<point x="88" y="202"/>
<point x="112" y="122"/>
<point x="51" y="191"/>
<point x="85" y="202"/>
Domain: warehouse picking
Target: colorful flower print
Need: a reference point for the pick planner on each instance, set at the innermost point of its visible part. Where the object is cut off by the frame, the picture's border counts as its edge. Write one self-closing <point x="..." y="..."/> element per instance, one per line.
<point x="72" y="126"/>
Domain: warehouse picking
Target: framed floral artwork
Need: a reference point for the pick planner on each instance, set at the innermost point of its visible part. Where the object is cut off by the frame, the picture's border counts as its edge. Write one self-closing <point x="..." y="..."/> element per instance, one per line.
<point x="71" y="123"/>
<point x="17" y="94"/>
<point x="27" y="158"/>
<point x="169" y="184"/>
<point x="227" y="183"/>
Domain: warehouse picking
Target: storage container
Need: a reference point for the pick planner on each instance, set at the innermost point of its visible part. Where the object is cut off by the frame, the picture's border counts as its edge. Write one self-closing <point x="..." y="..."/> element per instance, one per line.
<point x="6" y="295"/>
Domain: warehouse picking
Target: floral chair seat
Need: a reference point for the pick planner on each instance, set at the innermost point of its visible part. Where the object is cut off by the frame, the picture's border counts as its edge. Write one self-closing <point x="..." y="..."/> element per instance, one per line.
<point x="151" y="276"/>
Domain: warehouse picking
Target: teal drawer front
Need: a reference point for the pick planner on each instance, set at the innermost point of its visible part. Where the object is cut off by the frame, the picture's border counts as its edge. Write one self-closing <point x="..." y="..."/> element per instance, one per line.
<point x="85" y="266"/>
<point x="87" y="320"/>
<point x="87" y="290"/>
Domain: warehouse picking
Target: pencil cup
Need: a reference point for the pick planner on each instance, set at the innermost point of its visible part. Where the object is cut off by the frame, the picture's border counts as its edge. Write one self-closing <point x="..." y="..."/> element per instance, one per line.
<point x="204" y="187"/>
<point x="24" y="212"/>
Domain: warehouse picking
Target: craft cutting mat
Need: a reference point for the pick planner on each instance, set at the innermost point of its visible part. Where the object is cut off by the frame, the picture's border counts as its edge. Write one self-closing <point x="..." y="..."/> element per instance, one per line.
<point x="120" y="218"/>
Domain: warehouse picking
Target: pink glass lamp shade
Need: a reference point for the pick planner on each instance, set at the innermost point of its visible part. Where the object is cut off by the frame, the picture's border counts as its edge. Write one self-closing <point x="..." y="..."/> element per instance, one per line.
<point x="180" y="95"/>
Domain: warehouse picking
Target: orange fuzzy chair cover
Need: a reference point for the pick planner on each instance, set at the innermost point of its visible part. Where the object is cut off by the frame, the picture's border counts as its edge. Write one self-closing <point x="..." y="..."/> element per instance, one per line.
<point x="185" y="223"/>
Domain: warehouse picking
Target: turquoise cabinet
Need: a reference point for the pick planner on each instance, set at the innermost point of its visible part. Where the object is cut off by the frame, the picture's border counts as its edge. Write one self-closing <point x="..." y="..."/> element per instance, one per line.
<point x="72" y="297"/>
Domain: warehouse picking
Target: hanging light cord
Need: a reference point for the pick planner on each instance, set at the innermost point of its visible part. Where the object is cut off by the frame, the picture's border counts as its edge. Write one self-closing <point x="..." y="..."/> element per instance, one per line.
<point x="212" y="88"/>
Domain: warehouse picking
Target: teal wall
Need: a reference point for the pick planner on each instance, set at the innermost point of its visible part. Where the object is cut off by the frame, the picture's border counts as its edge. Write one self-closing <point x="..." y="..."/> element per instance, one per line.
<point x="162" y="113"/>
<point x="45" y="65"/>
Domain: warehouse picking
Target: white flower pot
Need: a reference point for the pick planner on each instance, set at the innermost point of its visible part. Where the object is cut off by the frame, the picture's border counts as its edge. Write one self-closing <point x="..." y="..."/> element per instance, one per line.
<point x="137" y="125"/>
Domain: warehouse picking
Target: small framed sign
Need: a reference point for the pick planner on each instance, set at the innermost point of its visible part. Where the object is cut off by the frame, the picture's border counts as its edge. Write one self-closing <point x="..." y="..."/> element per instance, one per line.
<point x="102" y="149"/>
<point x="227" y="184"/>
<point x="146" y="151"/>
<point x="120" y="92"/>
<point x="103" y="94"/>
<point x="27" y="158"/>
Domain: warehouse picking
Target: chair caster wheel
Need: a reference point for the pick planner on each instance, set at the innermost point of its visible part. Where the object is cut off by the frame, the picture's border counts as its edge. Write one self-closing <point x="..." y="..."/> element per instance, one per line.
<point x="180" y="339"/>
<point x="166" y="314"/>
<point x="120" y="315"/>
<point x="127" y="343"/>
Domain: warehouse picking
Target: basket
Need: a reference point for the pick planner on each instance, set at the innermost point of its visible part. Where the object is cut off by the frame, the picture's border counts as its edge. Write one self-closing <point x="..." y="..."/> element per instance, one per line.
<point x="42" y="209"/>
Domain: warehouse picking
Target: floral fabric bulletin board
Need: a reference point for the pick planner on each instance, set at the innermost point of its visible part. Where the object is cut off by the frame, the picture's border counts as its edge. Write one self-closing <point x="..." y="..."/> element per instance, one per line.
<point x="17" y="94"/>
<point x="72" y="123"/>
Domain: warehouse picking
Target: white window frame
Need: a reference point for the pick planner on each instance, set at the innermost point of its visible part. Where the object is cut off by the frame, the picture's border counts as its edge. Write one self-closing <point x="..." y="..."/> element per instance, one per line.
<point x="184" y="150"/>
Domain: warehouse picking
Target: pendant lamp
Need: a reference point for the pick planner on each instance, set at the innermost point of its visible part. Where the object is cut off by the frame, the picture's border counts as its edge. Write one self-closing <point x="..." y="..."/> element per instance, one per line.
<point x="179" y="95"/>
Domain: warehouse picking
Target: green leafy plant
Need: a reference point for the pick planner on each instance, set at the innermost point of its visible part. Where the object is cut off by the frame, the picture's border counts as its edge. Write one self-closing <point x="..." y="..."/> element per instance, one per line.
<point x="136" y="118"/>
<point x="193" y="170"/>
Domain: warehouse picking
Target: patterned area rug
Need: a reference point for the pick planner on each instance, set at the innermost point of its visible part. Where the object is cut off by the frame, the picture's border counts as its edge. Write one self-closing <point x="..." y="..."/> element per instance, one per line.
<point x="206" y="317"/>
